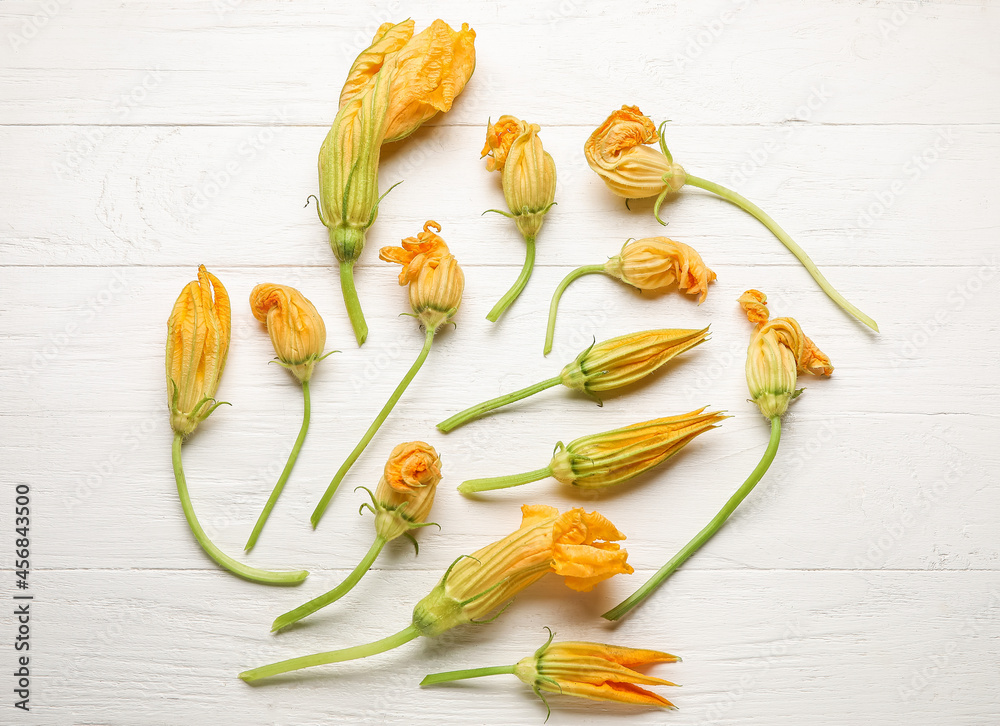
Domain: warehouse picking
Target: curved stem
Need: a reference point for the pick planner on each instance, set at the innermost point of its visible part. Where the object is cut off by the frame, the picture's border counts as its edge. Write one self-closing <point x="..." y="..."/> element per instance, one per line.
<point x="382" y="415"/>
<point x="503" y="482"/>
<point x="748" y="206"/>
<point x="253" y="574"/>
<point x="293" y="616"/>
<point x="479" y="409"/>
<point x="285" y="473"/>
<point x="704" y="535"/>
<point x="522" y="280"/>
<point x="550" y="330"/>
<point x="332" y="656"/>
<point x="351" y="301"/>
<point x="435" y="678"/>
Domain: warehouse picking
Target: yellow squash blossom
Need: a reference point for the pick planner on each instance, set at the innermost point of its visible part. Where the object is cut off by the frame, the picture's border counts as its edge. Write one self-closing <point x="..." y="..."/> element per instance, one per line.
<point x="594" y="671"/>
<point x="401" y="502"/>
<point x="298" y="335"/>
<point x="198" y="335"/>
<point x="610" y="458"/>
<point x="652" y="263"/>
<point x="396" y="84"/>
<point x="601" y="367"/>
<point x="528" y="177"/>
<point x="778" y="351"/>
<point x="582" y="547"/>
<point x="618" y="151"/>
<point x="436" y="284"/>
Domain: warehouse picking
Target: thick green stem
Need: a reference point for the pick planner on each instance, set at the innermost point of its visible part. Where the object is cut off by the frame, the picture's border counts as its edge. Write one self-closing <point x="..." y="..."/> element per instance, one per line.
<point x="550" y="330"/>
<point x="704" y="535"/>
<point x="435" y="678"/>
<point x="253" y="574"/>
<point x="332" y="656"/>
<point x="479" y="409"/>
<point x="382" y="415"/>
<point x="503" y="482"/>
<point x="522" y="280"/>
<point x="285" y="473"/>
<point x="351" y="301"/>
<point x="293" y="616"/>
<point x="745" y="204"/>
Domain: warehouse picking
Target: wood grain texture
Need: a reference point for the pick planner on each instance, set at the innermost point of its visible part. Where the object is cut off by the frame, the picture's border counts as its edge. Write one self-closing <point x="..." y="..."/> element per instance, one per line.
<point x="858" y="584"/>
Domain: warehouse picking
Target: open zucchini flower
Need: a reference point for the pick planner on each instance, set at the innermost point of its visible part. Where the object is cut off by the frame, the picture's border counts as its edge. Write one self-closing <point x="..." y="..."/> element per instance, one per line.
<point x="652" y="263"/>
<point x="777" y="353"/>
<point x="595" y="671"/>
<point x="395" y="85"/>
<point x="580" y="546"/>
<point x="198" y="335"/>
<point x="618" y="151"/>
<point x="603" y="366"/>
<point x="436" y="284"/>
<point x="298" y="334"/>
<point x="610" y="458"/>
<point x="528" y="177"/>
<point x="401" y="502"/>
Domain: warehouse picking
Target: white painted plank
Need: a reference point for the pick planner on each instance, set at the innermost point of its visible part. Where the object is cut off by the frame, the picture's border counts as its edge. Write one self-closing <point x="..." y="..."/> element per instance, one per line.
<point x="728" y="61"/>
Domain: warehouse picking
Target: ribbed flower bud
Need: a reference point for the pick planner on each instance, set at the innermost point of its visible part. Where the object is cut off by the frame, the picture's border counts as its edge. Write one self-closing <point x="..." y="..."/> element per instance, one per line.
<point x="579" y="546"/>
<point x="612" y="457"/>
<point x="656" y="262"/>
<point x="620" y="361"/>
<point x="527" y="170"/>
<point x="435" y="279"/>
<point x="405" y="493"/>
<point x="198" y="335"/>
<point x="297" y="331"/>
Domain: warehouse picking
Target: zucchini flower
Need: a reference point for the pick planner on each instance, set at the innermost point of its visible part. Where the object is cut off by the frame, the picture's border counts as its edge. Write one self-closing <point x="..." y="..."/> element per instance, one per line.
<point x="618" y="151"/>
<point x="299" y="335"/>
<point x="528" y="177"/>
<point x="610" y="458"/>
<point x="394" y="86"/>
<point x="778" y="351"/>
<point x="603" y="366"/>
<point x="198" y="335"/>
<point x="436" y="283"/>
<point x="647" y="264"/>
<point x="401" y="502"/>
<point x="581" y="547"/>
<point x="588" y="670"/>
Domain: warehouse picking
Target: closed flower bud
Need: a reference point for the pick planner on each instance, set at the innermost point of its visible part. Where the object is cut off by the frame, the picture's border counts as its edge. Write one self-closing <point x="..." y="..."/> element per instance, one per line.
<point x="405" y="493"/>
<point x="656" y="262"/>
<point x="617" y="152"/>
<point x="612" y="457"/>
<point x="579" y="546"/>
<point x="620" y="361"/>
<point x="198" y="335"/>
<point x="778" y="351"/>
<point x="297" y="331"/>
<point x="528" y="173"/>
<point x="435" y="279"/>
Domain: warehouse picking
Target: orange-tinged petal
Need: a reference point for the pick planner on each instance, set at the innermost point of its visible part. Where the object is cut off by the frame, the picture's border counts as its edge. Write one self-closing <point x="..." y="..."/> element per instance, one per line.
<point x="657" y="262"/>
<point x="611" y="691"/>
<point x="499" y="137"/>
<point x="297" y="330"/>
<point x="412" y="465"/>
<point x="389" y="39"/>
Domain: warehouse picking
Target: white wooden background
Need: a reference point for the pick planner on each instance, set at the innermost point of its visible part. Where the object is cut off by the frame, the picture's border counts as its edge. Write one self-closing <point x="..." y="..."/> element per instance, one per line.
<point x="859" y="584"/>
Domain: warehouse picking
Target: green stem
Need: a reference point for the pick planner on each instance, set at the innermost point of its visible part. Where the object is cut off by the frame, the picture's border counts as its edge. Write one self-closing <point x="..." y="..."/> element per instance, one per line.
<point x="293" y="616"/>
<point x="253" y="574"/>
<point x="285" y="473"/>
<point x="503" y="482"/>
<point x="382" y="415"/>
<point x="745" y="204"/>
<point x="704" y="535"/>
<point x="333" y="656"/>
<point x="435" y="678"/>
<point x="351" y="301"/>
<point x="515" y="290"/>
<point x="550" y="330"/>
<point x="479" y="409"/>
